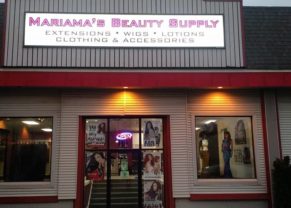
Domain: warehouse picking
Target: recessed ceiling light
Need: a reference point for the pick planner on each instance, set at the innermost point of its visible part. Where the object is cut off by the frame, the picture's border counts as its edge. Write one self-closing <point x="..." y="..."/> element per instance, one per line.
<point x="125" y="87"/>
<point x="30" y="122"/>
<point x="197" y="128"/>
<point x="47" y="129"/>
<point x="209" y="121"/>
<point x="219" y="87"/>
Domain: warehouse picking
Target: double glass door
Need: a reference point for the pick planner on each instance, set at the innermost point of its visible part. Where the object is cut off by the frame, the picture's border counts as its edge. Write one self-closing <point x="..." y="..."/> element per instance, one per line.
<point x="124" y="162"/>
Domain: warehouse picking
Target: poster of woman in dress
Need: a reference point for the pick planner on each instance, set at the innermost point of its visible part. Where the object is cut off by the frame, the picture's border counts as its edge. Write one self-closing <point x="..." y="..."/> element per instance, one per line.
<point x="95" y="133"/>
<point x="152" y="133"/>
<point x="152" y="164"/>
<point x="95" y="166"/>
<point x="153" y="194"/>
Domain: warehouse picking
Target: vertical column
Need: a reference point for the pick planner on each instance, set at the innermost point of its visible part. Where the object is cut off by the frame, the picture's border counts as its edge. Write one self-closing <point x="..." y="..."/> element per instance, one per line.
<point x="272" y="126"/>
<point x="272" y="129"/>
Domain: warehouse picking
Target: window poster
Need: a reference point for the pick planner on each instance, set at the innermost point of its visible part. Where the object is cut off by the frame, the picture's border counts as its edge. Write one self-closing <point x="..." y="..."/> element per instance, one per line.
<point x="152" y="165"/>
<point x="95" y="133"/>
<point x="225" y="147"/>
<point x="152" y="136"/>
<point x="95" y="165"/>
<point x="153" y="194"/>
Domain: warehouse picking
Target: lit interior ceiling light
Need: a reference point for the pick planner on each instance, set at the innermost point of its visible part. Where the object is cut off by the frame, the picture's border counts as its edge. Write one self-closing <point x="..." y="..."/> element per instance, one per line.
<point x="47" y="129"/>
<point x="219" y="87"/>
<point x="209" y="121"/>
<point x="197" y="128"/>
<point x="30" y="122"/>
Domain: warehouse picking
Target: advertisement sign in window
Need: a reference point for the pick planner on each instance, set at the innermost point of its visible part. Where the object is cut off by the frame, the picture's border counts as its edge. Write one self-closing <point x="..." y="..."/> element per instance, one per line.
<point x="153" y="194"/>
<point x="95" y="133"/>
<point x="152" y="137"/>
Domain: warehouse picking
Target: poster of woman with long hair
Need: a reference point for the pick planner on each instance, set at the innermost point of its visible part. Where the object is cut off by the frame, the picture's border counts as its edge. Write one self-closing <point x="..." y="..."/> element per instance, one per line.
<point x="152" y="133"/>
<point x="153" y="194"/>
<point x="152" y="164"/>
<point x="95" y="166"/>
<point x="95" y="133"/>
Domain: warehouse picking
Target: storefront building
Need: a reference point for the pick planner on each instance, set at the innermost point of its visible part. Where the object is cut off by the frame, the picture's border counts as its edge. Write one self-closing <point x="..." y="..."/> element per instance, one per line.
<point x="142" y="103"/>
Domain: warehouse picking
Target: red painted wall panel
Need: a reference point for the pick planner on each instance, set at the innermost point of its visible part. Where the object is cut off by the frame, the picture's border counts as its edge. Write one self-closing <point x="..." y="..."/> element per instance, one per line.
<point x="146" y="79"/>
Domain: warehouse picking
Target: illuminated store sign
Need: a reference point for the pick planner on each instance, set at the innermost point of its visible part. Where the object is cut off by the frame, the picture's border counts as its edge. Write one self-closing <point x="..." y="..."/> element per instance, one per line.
<point x="104" y="30"/>
<point x="124" y="136"/>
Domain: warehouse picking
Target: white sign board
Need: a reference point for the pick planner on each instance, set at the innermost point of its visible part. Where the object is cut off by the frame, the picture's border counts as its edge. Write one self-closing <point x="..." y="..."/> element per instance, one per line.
<point x="111" y="30"/>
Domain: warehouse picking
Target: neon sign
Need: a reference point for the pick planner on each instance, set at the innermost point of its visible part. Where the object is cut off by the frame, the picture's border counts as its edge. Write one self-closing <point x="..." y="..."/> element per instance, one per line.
<point x="124" y="136"/>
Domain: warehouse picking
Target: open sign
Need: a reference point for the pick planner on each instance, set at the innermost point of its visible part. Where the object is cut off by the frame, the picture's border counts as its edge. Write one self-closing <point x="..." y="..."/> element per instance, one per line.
<point x="124" y="136"/>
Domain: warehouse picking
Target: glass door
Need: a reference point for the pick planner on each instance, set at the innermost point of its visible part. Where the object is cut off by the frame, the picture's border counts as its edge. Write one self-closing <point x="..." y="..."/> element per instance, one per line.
<point x="124" y="153"/>
<point x="124" y="188"/>
<point x="124" y="163"/>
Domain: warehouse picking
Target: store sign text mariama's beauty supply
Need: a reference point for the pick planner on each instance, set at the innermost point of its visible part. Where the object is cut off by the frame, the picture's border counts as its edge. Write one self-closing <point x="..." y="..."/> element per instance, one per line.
<point x="104" y="30"/>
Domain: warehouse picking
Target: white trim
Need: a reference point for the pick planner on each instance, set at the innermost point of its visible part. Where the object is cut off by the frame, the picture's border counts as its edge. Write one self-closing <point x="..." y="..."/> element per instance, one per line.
<point x="233" y="103"/>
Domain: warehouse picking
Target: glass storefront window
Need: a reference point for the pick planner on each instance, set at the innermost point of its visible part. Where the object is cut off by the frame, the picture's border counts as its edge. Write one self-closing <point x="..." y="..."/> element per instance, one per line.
<point x="25" y="149"/>
<point x="124" y="133"/>
<point x="224" y="147"/>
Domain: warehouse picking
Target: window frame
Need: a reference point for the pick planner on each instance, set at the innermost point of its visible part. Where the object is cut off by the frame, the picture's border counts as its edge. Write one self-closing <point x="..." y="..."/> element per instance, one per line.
<point x="209" y="182"/>
<point x="36" y="185"/>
